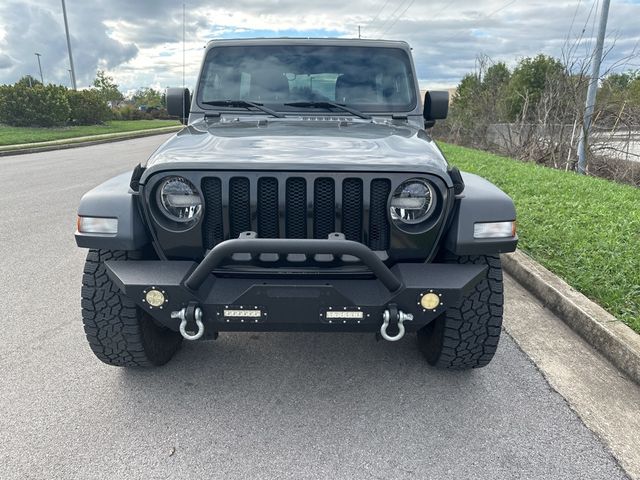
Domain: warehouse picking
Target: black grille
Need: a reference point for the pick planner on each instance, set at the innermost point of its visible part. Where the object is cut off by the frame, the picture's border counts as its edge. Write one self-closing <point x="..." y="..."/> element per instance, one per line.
<point x="296" y="208"/>
<point x="268" y="217"/>
<point x="311" y="205"/>
<point x="324" y="208"/>
<point x="352" y="209"/>
<point x="239" y="206"/>
<point x="378" y="219"/>
<point x="212" y="226"/>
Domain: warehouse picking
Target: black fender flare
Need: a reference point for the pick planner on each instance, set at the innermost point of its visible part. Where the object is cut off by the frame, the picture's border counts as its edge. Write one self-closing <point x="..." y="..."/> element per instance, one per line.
<point x="113" y="199"/>
<point x="481" y="201"/>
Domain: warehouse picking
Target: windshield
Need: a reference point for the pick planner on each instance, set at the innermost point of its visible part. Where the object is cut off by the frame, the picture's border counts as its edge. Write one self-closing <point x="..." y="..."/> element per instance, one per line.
<point x="371" y="79"/>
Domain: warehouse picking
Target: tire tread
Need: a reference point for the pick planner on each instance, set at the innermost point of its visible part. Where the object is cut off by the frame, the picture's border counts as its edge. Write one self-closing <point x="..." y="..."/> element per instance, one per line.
<point x="467" y="335"/>
<point x="118" y="332"/>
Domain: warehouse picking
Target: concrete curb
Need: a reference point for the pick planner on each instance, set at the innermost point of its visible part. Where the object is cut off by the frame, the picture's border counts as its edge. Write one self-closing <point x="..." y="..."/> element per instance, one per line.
<point x="82" y="141"/>
<point x="603" y="331"/>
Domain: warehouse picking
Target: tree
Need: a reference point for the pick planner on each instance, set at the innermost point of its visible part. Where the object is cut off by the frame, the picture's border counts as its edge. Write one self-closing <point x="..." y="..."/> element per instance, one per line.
<point x="528" y="82"/>
<point x="494" y="85"/>
<point x="149" y="98"/>
<point x="619" y="81"/>
<point x="634" y="91"/>
<point x="464" y="103"/>
<point x="28" y="81"/>
<point x="478" y="101"/>
<point x="107" y="88"/>
<point x="496" y="77"/>
<point x="619" y="88"/>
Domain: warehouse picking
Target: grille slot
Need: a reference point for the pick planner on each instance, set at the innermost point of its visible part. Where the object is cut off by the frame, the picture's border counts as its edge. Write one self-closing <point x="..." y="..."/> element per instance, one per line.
<point x="352" y="209"/>
<point x="268" y="217"/>
<point x="239" y="206"/>
<point x="212" y="232"/>
<point x="324" y="207"/>
<point x="299" y="206"/>
<point x="378" y="219"/>
<point x="296" y="208"/>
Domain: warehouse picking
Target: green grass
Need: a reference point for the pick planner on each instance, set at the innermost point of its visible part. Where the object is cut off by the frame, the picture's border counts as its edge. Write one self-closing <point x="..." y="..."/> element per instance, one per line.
<point x="16" y="135"/>
<point x="584" y="229"/>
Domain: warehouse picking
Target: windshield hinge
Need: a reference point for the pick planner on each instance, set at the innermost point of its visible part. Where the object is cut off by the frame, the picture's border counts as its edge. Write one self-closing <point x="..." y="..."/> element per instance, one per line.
<point x="400" y="117"/>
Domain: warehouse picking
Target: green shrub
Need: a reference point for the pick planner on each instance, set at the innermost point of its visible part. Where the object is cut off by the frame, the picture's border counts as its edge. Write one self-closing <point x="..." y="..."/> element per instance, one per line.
<point x="116" y="114"/>
<point x="129" y="112"/>
<point x="159" y="114"/>
<point x="37" y="106"/>
<point x="87" y="107"/>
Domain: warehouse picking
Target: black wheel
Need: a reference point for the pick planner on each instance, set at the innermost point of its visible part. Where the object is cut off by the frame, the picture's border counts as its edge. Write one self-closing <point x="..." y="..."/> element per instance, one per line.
<point x="467" y="334"/>
<point x="119" y="332"/>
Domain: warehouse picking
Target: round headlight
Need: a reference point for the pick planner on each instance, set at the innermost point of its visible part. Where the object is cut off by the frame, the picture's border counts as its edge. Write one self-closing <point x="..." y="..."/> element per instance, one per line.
<point x="413" y="201"/>
<point x="179" y="200"/>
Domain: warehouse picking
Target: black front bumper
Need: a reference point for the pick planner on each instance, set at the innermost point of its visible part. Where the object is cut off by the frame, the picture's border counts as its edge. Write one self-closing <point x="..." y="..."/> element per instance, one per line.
<point x="291" y="303"/>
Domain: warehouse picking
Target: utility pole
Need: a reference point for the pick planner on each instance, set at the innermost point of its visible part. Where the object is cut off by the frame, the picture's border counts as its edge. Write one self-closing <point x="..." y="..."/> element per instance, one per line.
<point x="40" y="67"/>
<point x="593" y="89"/>
<point x="66" y="28"/>
<point x="359" y="32"/>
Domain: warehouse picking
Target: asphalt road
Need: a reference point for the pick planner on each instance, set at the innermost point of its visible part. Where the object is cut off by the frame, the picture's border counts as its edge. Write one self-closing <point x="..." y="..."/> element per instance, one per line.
<point x="248" y="405"/>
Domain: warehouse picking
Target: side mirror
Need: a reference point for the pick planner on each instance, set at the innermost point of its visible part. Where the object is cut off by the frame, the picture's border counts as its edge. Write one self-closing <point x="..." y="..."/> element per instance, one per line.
<point x="436" y="107"/>
<point x="179" y="103"/>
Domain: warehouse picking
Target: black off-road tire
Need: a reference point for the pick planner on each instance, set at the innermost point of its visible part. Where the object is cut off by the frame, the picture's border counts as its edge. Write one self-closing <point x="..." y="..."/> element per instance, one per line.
<point x="119" y="332"/>
<point x="467" y="334"/>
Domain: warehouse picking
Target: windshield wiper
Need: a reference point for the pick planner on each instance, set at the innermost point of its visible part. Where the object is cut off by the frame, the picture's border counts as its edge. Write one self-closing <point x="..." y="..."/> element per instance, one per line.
<point x="327" y="104"/>
<point x="243" y="104"/>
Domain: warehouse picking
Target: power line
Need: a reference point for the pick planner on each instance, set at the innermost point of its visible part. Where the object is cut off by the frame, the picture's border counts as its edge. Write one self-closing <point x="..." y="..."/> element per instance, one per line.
<point x="593" y="23"/>
<point x="384" y="5"/>
<point x="444" y="8"/>
<point x="508" y="4"/>
<point x="379" y="12"/>
<point x="434" y="15"/>
<point x="398" y="18"/>
<point x="486" y="17"/>
<point x="573" y="20"/>
<point x="393" y="14"/>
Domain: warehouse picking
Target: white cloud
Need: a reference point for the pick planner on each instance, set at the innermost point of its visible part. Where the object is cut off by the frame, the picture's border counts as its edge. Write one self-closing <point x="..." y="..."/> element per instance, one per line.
<point x="139" y="42"/>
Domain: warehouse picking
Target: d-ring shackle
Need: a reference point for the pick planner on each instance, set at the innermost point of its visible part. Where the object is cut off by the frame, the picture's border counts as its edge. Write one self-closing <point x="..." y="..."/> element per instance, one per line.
<point x="197" y="317"/>
<point x="386" y="317"/>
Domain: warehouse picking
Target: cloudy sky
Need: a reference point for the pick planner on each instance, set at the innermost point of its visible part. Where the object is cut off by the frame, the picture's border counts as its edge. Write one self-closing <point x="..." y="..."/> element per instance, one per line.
<point x="139" y="42"/>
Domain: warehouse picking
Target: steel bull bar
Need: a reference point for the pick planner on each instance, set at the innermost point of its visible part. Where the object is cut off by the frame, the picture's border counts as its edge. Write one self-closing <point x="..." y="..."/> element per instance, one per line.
<point x="256" y="246"/>
<point x="185" y="296"/>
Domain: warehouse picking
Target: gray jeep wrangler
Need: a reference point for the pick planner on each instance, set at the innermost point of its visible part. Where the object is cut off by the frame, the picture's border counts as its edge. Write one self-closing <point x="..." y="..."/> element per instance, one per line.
<point x="303" y="194"/>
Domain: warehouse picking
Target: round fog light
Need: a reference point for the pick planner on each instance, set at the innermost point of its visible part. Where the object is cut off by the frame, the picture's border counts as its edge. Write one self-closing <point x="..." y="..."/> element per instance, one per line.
<point x="430" y="301"/>
<point x="155" y="298"/>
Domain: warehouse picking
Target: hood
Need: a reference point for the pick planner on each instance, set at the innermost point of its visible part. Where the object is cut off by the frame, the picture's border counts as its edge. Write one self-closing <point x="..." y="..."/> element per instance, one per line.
<point x="305" y="143"/>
